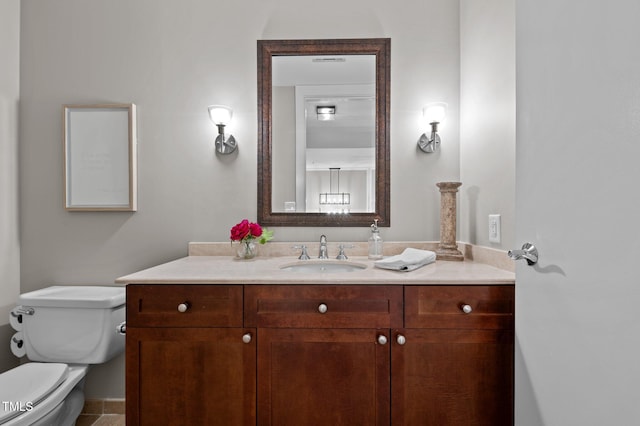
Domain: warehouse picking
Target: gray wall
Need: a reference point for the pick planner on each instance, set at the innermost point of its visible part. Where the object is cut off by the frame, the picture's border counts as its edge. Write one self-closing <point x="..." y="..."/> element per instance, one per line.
<point x="9" y="243"/>
<point x="487" y="120"/>
<point x="173" y="59"/>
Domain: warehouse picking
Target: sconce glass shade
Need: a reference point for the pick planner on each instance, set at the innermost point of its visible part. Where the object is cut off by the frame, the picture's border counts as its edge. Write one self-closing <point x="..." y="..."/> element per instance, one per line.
<point x="220" y="114"/>
<point x="434" y="112"/>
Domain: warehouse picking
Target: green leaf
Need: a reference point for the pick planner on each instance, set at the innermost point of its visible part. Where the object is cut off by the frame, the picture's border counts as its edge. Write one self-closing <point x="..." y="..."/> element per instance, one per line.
<point x="266" y="236"/>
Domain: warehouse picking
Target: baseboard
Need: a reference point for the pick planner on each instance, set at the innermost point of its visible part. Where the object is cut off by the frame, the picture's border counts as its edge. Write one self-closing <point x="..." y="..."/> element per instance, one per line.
<point x="103" y="406"/>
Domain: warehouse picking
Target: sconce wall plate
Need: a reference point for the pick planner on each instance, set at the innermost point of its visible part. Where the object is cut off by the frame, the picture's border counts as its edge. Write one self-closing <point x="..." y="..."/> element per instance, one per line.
<point x="225" y="144"/>
<point x="429" y="145"/>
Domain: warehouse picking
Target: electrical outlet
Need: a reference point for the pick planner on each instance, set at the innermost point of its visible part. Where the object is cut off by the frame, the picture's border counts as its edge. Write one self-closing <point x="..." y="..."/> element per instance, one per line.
<point x="494" y="228"/>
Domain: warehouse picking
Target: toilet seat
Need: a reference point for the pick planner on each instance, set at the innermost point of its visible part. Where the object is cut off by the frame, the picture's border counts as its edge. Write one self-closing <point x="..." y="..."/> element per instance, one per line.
<point x="34" y="389"/>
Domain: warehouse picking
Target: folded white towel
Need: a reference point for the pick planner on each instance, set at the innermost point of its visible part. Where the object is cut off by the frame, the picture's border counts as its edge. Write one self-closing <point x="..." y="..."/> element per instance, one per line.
<point x="409" y="260"/>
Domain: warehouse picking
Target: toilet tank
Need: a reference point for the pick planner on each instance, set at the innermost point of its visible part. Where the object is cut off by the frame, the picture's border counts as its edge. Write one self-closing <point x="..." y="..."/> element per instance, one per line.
<point x="73" y="324"/>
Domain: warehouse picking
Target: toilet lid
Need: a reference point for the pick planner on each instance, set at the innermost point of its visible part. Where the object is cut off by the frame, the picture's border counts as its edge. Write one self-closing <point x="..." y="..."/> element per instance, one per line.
<point x="60" y="296"/>
<point x="29" y="384"/>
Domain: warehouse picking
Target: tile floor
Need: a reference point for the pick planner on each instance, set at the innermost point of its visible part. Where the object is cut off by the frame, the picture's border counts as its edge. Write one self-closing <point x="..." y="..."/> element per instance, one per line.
<point x="97" y="412"/>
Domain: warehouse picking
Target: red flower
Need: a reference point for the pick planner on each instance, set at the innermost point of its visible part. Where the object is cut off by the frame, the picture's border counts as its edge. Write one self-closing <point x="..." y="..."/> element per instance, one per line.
<point x="240" y="231"/>
<point x="245" y="230"/>
<point x="255" y="230"/>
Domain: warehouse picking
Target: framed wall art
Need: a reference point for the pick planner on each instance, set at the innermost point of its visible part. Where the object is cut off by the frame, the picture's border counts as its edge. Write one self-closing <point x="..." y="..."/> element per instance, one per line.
<point x="100" y="157"/>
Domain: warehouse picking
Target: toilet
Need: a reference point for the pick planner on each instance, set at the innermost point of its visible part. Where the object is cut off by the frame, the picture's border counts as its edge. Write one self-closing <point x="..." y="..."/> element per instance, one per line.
<point x="63" y="330"/>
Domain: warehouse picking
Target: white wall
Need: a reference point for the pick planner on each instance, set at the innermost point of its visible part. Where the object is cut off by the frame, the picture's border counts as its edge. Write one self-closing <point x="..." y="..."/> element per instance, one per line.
<point x="173" y="59"/>
<point x="9" y="243"/>
<point x="487" y="120"/>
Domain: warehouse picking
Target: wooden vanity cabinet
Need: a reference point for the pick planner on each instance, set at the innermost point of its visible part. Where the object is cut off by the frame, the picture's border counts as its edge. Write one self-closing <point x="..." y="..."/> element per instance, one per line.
<point x="320" y="354"/>
<point x="452" y="363"/>
<point x="194" y="367"/>
<point x="323" y="353"/>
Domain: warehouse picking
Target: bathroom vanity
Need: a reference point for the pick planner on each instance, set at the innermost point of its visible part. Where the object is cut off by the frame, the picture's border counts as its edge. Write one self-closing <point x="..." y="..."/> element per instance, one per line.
<point x="213" y="340"/>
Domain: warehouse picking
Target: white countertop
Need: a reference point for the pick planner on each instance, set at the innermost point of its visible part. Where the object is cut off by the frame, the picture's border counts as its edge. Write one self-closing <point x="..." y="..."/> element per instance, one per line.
<point x="266" y="270"/>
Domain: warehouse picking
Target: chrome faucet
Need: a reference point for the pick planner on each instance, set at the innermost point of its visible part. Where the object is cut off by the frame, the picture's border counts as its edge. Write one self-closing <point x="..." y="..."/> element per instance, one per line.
<point x="323" y="248"/>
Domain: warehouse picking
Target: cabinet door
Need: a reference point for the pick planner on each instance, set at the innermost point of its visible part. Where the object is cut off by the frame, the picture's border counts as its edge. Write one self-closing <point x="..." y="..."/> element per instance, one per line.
<point x="452" y="377"/>
<point x="314" y="376"/>
<point x="190" y="376"/>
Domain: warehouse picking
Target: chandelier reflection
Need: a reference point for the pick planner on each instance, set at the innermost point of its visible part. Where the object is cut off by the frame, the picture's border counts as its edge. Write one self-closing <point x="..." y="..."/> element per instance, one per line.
<point x="334" y="201"/>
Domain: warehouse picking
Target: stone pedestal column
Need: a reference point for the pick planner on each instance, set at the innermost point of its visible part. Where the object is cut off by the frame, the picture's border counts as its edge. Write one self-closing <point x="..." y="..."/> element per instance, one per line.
<point x="448" y="249"/>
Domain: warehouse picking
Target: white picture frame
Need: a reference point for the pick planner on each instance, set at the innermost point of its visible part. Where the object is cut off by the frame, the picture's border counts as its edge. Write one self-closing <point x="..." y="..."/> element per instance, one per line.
<point x="100" y="157"/>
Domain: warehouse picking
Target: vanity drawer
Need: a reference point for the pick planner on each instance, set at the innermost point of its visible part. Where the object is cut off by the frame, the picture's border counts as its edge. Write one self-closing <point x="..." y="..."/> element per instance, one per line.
<point x="317" y="306"/>
<point x="160" y="305"/>
<point x="491" y="306"/>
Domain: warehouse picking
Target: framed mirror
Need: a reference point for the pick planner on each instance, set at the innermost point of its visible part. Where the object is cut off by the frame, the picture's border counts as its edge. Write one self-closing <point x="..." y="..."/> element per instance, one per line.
<point x="323" y="132"/>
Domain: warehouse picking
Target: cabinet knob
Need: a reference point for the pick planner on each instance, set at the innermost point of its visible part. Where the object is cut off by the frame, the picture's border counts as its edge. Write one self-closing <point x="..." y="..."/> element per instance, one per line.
<point x="401" y="339"/>
<point x="183" y="307"/>
<point x="246" y="338"/>
<point x="322" y="308"/>
<point x="382" y="339"/>
<point x="467" y="309"/>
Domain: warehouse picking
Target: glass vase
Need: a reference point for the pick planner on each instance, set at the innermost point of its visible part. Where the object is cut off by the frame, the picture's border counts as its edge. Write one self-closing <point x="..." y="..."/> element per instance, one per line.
<point x="247" y="250"/>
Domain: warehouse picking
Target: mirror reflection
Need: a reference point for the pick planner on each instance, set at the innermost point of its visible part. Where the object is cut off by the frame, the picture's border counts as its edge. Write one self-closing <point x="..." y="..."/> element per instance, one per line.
<point x="323" y="129"/>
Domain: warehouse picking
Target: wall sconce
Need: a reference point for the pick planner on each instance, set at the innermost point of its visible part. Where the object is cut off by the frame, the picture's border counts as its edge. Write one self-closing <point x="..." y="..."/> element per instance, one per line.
<point x="433" y="114"/>
<point x="326" y="112"/>
<point x="221" y="116"/>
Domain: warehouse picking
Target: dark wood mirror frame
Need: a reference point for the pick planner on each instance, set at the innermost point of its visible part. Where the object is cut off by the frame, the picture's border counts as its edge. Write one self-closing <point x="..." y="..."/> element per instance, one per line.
<point x="267" y="49"/>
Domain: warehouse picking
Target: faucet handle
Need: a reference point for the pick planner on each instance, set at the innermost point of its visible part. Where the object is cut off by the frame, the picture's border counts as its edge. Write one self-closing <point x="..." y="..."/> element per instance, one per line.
<point x="341" y="255"/>
<point x="303" y="255"/>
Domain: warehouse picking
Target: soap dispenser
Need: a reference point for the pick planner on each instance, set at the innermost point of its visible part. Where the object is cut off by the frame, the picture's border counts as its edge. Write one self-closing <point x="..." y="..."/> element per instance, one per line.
<point x="375" y="242"/>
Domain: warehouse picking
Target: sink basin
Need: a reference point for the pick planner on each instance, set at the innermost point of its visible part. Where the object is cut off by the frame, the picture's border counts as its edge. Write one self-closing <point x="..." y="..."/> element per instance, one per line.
<point x="323" y="266"/>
